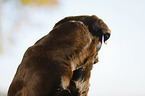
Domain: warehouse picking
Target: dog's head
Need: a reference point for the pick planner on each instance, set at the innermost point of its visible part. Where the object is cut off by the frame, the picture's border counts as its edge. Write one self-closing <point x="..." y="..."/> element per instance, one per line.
<point x="99" y="28"/>
<point x="96" y="27"/>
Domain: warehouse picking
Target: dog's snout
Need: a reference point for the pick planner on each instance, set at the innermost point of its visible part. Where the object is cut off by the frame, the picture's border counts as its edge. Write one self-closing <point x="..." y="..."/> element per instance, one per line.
<point x="104" y="36"/>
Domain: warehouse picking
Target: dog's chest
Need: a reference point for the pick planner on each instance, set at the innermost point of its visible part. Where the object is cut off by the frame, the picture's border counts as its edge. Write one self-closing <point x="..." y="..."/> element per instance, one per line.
<point x="82" y="83"/>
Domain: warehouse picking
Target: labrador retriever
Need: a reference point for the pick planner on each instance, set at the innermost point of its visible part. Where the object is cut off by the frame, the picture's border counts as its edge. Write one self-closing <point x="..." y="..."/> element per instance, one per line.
<point x="59" y="64"/>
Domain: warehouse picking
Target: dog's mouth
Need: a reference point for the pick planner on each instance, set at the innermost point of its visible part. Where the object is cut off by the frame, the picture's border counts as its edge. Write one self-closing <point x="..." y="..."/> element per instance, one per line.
<point x="103" y="39"/>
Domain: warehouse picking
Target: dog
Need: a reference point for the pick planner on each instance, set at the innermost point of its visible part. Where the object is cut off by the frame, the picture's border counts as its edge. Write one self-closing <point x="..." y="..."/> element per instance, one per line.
<point x="59" y="64"/>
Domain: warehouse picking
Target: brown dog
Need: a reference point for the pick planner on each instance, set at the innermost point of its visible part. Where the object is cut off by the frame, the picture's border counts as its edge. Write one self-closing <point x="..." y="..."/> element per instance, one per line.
<point x="59" y="64"/>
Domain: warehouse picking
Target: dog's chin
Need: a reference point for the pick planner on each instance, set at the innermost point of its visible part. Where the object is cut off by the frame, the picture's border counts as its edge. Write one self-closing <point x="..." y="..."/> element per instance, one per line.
<point x="96" y="59"/>
<point x="98" y="47"/>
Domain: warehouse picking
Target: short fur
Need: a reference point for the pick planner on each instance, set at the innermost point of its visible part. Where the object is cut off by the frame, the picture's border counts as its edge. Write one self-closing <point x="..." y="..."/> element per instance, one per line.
<point x="59" y="64"/>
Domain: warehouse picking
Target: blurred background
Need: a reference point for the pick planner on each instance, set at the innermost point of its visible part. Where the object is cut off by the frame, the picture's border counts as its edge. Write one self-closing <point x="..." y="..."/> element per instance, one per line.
<point x="121" y="67"/>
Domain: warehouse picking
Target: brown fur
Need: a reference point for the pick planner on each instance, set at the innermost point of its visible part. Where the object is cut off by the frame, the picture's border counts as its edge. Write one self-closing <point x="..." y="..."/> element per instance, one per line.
<point x="59" y="64"/>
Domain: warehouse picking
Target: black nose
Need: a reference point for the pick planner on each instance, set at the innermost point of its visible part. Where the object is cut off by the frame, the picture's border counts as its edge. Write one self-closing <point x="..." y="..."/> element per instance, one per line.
<point x="103" y="36"/>
<point x="106" y="36"/>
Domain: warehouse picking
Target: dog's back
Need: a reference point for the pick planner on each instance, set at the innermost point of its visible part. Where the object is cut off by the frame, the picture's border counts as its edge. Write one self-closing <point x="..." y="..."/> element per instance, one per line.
<point x="41" y="72"/>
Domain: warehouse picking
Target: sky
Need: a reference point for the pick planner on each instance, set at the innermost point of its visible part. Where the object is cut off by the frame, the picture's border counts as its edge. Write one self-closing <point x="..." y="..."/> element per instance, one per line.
<point x="121" y="67"/>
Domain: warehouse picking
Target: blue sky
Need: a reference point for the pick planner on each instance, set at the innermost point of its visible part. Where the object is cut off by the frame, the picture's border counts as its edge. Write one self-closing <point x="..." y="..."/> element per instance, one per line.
<point x="121" y="67"/>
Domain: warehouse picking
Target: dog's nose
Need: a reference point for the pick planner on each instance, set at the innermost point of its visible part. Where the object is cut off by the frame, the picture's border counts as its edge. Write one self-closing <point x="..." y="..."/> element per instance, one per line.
<point x="106" y="33"/>
<point x="106" y="36"/>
